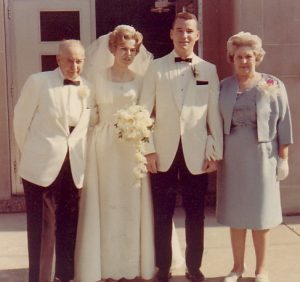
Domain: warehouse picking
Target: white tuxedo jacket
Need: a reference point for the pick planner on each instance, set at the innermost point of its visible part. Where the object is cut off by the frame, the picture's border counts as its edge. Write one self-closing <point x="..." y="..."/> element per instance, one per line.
<point x="42" y="131"/>
<point x="190" y="120"/>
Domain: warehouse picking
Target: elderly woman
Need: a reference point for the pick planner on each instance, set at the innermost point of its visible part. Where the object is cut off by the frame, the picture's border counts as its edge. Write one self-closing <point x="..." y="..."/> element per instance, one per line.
<point x="257" y="133"/>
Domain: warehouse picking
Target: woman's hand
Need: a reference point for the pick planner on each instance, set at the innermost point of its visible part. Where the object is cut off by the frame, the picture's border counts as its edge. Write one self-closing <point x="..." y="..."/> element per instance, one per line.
<point x="282" y="169"/>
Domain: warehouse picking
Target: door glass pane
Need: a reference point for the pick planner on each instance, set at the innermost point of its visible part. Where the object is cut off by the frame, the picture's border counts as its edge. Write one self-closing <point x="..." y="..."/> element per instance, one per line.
<point x="48" y="62"/>
<point x="59" y="25"/>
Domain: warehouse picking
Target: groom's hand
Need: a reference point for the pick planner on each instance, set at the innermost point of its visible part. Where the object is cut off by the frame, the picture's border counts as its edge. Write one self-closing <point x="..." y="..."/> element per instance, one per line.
<point x="152" y="162"/>
<point x="210" y="166"/>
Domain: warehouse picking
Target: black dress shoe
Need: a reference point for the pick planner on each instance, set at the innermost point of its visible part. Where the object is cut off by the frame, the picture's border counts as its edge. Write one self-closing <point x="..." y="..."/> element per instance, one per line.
<point x="195" y="277"/>
<point x="162" y="276"/>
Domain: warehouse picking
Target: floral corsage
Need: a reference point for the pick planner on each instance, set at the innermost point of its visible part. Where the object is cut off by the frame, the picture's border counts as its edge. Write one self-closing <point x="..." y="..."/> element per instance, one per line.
<point x="268" y="86"/>
<point x="135" y="125"/>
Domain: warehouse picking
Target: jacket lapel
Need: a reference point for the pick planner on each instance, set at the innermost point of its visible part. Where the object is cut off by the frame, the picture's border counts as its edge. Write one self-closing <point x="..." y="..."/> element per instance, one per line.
<point x="191" y="86"/>
<point x="84" y="111"/>
<point x="56" y="93"/>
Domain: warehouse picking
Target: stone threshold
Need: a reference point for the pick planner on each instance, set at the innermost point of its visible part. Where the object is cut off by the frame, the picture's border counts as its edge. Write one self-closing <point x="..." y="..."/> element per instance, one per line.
<point x="13" y="205"/>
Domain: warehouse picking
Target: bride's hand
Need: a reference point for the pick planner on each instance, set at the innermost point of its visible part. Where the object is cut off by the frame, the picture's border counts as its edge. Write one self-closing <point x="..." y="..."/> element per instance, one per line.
<point x="152" y="162"/>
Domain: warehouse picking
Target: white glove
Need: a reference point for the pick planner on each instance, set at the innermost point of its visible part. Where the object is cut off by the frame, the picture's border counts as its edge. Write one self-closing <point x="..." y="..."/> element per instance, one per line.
<point x="210" y="151"/>
<point x="282" y="169"/>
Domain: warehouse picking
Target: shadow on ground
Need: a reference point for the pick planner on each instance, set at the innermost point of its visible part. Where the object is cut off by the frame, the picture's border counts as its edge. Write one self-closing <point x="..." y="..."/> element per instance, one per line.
<point x="14" y="275"/>
<point x="20" y="275"/>
<point x="181" y="278"/>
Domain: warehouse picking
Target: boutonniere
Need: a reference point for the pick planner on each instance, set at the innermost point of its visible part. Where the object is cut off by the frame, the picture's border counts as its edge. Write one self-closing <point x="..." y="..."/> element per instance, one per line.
<point x="268" y="86"/>
<point x="195" y="71"/>
<point x="83" y="91"/>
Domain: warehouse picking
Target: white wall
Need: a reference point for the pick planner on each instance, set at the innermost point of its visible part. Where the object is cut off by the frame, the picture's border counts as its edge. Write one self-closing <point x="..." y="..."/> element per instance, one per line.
<point x="5" y="179"/>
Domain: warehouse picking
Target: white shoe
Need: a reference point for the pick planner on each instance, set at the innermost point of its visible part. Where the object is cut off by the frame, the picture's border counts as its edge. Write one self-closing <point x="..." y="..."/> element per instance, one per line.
<point x="262" y="278"/>
<point x="233" y="277"/>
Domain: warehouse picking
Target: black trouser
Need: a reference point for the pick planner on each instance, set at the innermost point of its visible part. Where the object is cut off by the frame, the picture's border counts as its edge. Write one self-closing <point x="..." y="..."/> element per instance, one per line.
<point x="193" y="192"/>
<point x="52" y="215"/>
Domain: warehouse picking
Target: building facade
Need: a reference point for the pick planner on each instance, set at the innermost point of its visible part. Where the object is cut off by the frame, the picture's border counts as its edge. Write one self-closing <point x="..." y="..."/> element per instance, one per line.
<point x="31" y="29"/>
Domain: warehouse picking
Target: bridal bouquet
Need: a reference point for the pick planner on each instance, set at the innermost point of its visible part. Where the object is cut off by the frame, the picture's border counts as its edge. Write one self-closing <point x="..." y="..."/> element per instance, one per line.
<point x="135" y="125"/>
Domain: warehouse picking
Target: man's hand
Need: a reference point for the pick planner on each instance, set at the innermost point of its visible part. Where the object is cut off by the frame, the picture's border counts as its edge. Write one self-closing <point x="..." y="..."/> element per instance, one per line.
<point x="152" y="162"/>
<point x="210" y="166"/>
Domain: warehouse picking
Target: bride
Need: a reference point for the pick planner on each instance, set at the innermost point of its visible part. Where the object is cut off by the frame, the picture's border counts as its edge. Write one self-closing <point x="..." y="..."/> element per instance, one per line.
<point x="115" y="232"/>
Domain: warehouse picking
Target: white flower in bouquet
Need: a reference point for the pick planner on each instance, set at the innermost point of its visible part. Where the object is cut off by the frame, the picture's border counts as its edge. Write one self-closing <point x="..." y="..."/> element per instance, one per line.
<point x="139" y="170"/>
<point x="135" y="125"/>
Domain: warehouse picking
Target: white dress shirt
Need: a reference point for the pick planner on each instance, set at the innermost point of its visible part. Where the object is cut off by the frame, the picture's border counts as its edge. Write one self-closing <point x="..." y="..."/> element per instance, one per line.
<point x="184" y="71"/>
<point x="71" y="103"/>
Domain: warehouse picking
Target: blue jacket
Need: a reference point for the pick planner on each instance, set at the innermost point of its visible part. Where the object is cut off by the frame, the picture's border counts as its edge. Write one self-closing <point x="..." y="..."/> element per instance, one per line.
<point x="273" y="113"/>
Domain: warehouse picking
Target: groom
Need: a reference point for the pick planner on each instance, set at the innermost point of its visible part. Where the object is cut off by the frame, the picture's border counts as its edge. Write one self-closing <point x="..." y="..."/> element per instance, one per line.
<point x="50" y="125"/>
<point x="181" y="90"/>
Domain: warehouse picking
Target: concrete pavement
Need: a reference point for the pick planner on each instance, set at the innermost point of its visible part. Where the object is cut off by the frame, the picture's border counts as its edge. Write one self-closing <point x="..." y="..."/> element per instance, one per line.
<point x="284" y="250"/>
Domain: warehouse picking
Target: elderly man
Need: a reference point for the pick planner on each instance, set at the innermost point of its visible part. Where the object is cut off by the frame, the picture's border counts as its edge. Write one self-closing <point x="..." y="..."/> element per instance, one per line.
<point x="50" y="125"/>
<point x="182" y="91"/>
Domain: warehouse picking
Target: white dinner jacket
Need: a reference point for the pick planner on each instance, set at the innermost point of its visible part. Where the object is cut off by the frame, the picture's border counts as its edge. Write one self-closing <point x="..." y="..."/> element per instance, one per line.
<point x="191" y="119"/>
<point x="42" y="131"/>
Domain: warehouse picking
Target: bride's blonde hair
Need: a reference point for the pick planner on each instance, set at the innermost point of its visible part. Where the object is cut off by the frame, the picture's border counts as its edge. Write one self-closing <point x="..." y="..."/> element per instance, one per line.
<point x="122" y="33"/>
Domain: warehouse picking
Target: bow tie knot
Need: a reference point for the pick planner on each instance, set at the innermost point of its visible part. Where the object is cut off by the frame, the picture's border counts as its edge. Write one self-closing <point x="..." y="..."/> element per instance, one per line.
<point x="187" y="60"/>
<point x="71" y="82"/>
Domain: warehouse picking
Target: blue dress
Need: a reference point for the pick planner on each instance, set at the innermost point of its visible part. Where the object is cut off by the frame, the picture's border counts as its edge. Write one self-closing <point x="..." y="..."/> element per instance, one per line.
<point x="248" y="194"/>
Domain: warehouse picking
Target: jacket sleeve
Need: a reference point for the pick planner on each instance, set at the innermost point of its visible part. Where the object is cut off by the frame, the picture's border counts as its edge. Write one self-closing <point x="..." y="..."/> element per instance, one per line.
<point x="25" y="109"/>
<point x="284" y="124"/>
<point x="147" y="99"/>
<point x="92" y="105"/>
<point x="214" y="121"/>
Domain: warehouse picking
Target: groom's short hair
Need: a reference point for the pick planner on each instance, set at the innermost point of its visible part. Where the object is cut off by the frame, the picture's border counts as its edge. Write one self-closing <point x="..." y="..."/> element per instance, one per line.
<point x="185" y="16"/>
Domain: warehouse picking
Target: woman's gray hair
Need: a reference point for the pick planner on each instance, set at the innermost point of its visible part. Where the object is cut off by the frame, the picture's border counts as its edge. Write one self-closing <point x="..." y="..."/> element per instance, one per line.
<point x="245" y="39"/>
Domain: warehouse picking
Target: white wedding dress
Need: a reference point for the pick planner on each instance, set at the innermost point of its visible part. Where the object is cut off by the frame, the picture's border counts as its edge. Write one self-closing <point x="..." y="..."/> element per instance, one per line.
<point x="115" y="230"/>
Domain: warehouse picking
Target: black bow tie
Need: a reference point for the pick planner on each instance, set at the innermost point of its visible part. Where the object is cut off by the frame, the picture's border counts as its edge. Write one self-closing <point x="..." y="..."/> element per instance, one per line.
<point x="178" y="59"/>
<point x="71" y="82"/>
